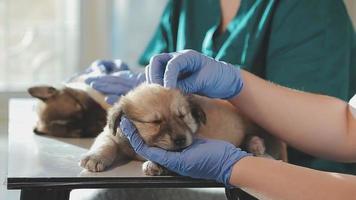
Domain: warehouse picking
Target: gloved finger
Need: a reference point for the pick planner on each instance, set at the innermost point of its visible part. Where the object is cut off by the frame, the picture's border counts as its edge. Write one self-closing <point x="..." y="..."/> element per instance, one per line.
<point x="129" y="130"/>
<point x="112" y="99"/>
<point x="111" y="81"/>
<point x="129" y="77"/>
<point x="189" y="84"/>
<point x="108" y="66"/>
<point x="147" y="72"/>
<point x="117" y="77"/>
<point x="168" y="159"/>
<point x="104" y="66"/>
<point x="187" y="61"/>
<point x="108" y="89"/>
<point x="141" y="78"/>
<point x="120" y="65"/>
<point x="156" y="68"/>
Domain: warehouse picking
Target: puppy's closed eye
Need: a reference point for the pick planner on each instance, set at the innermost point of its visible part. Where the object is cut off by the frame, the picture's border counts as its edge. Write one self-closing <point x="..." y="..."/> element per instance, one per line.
<point x="156" y="121"/>
<point x="181" y="115"/>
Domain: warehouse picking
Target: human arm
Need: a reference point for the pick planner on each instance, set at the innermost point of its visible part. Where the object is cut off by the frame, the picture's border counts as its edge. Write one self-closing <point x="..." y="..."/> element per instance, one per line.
<point x="316" y="124"/>
<point x="303" y="56"/>
<point x="272" y="179"/>
<point x="319" y="125"/>
<point x="261" y="177"/>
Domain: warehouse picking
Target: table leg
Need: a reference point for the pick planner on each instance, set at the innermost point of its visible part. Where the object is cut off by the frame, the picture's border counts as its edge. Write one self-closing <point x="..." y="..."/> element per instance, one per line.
<point x="44" y="194"/>
<point x="238" y="194"/>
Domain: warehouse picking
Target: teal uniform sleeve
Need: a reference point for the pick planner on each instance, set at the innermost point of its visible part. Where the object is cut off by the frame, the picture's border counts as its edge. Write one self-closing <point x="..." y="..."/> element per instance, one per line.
<point x="164" y="39"/>
<point x="310" y="47"/>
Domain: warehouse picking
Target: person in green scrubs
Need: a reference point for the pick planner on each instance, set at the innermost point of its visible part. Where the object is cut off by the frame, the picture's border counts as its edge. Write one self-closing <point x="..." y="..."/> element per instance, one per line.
<point x="308" y="45"/>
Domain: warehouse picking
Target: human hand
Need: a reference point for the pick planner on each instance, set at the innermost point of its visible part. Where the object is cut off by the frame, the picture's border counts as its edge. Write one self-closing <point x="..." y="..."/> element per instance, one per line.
<point x="193" y="72"/>
<point x="205" y="158"/>
<point x="115" y="84"/>
<point x="107" y="66"/>
<point x="99" y="67"/>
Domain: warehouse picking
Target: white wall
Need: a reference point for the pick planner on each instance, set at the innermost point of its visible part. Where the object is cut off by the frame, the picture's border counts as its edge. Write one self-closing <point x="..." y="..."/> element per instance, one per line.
<point x="117" y="28"/>
<point x="134" y="24"/>
<point x="95" y="28"/>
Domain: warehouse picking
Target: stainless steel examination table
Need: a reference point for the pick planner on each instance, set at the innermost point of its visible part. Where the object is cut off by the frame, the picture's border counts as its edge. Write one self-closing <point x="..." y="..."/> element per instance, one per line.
<point x="47" y="167"/>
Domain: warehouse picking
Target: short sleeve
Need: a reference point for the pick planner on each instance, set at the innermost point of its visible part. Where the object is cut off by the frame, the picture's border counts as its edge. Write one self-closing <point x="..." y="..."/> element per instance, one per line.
<point x="310" y="47"/>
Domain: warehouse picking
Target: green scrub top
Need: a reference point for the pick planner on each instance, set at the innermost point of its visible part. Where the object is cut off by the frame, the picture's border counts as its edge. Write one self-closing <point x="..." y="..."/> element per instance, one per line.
<point x="308" y="45"/>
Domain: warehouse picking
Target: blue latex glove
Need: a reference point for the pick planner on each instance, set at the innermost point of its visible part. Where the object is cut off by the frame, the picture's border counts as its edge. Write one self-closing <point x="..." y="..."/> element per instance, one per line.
<point x="205" y="158"/>
<point x="100" y="67"/>
<point x="115" y="84"/>
<point x="194" y="72"/>
<point x="107" y="66"/>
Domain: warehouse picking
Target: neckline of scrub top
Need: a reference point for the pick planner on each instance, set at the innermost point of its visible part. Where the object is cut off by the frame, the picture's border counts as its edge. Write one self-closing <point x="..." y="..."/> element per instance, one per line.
<point x="214" y="40"/>
<point x="234" y="28"/>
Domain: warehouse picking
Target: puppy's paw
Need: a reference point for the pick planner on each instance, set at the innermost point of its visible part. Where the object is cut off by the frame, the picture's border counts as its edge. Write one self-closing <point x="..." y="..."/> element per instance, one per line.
<point x="150" y="168"/>
<point x="95" y="162"/>
<point x="256" y="145"/>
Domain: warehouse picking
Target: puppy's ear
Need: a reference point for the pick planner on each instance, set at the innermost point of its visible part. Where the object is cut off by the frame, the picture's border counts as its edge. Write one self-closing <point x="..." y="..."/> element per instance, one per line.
<point x="43" y="92"/>
<point x="114" y="116"/>
<point x="197" y="112"/>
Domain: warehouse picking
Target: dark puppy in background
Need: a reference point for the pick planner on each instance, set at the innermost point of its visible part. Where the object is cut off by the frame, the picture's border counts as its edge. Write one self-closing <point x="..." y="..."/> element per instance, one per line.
<point x="170" y="120"/>
<point x="75" y="109"/>
<point x="70" y="111"/>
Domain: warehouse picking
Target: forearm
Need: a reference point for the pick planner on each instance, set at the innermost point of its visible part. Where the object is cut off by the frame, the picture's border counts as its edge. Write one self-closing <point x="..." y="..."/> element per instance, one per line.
<point x="278" y="180"/>
<point x="317" y="124"/>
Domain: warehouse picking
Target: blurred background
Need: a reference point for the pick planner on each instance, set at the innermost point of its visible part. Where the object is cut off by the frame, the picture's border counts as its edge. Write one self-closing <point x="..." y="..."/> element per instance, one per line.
<point x="45" y="41"/>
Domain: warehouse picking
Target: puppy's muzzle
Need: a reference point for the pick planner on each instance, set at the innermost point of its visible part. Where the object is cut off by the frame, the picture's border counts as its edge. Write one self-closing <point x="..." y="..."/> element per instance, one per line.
<point x="180" y="141"/>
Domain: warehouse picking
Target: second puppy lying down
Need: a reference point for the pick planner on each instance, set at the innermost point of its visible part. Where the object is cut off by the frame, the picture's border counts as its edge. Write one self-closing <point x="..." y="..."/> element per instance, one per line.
<point x="168" y="119"/>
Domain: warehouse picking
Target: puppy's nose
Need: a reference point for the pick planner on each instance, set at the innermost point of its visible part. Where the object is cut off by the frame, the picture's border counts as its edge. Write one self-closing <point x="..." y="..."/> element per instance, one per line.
<point x="180" y="141"/>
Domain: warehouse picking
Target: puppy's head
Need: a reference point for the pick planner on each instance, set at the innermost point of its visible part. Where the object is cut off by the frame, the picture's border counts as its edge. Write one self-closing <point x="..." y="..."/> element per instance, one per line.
<point x="164" y="117"/>
<point x="67" y="112"/>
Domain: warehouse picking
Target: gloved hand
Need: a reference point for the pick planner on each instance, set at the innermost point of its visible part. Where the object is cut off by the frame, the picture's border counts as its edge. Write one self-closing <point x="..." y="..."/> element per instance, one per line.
<point x="107" y="66"/>
<point x="99" y="67"/>
<point x="194" y="72"/>
<point x="115" y="84"/>
<point x="205" y="158"/>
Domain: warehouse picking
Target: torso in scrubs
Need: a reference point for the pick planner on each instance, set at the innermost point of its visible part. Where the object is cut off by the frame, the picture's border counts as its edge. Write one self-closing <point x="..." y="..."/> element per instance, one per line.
<point x="308" y="45"/>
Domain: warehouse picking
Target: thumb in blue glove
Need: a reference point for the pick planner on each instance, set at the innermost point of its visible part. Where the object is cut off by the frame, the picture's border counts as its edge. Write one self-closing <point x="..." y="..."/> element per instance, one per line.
<point x="193" y="72"/>
<point x="205" y="158"/>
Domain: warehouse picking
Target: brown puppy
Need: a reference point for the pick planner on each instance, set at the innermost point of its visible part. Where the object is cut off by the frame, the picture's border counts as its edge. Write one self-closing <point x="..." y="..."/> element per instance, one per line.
<point x="67" y="112"/>
<point x="168" y="119"/>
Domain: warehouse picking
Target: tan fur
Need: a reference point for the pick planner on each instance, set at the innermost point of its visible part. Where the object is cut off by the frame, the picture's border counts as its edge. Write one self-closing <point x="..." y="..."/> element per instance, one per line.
<point x="67" y="112"/>
<point x="162" y="115"/>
